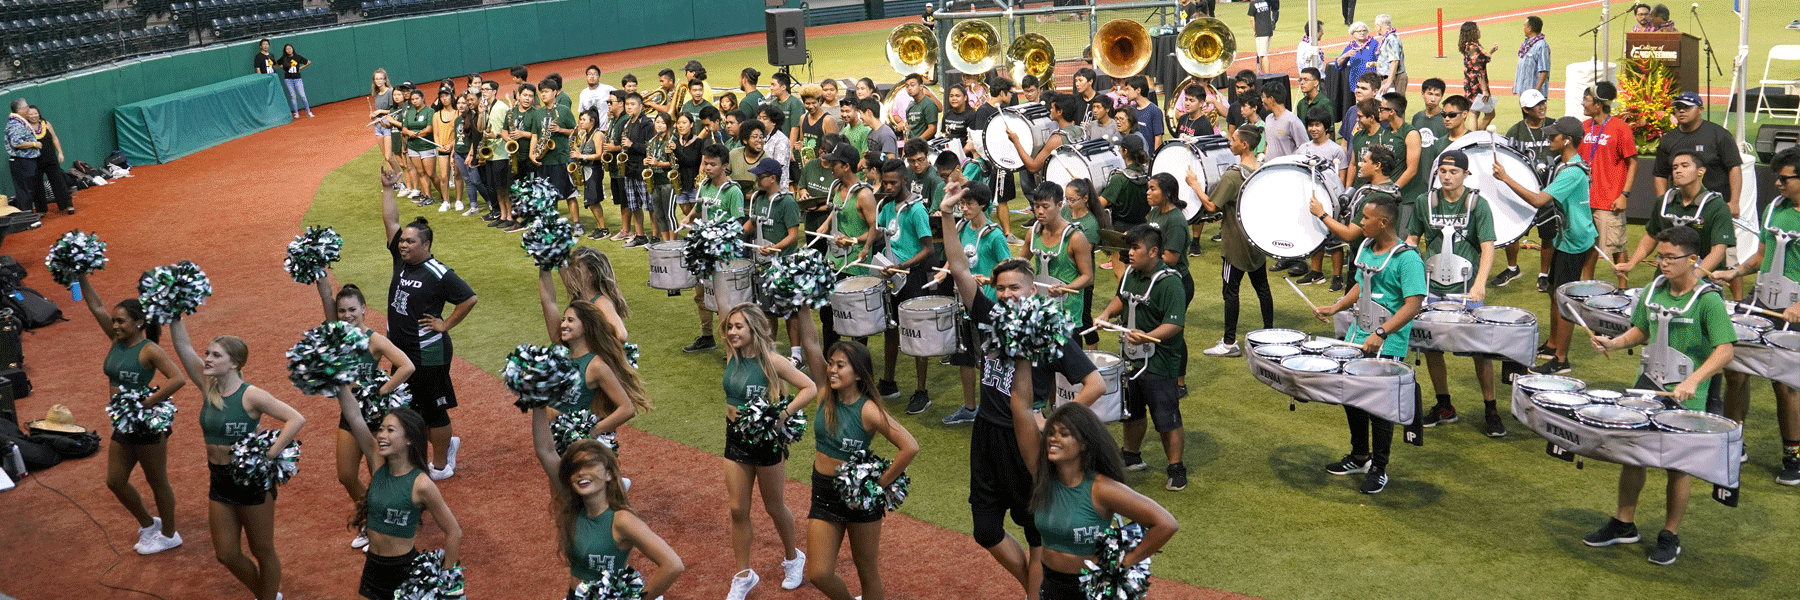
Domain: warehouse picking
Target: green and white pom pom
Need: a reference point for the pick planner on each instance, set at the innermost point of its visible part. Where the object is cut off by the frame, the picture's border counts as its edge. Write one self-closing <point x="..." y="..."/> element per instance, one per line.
<point x="799" y="280"/>
<point x="571" y="427"/>
<point x="429" y="580"/>
<point x="631" y="354"/>
<point x="623" y="583"/>
<point x="75" y="254"/>
<point x="859" y="481"/>
<point x="761" y="423"/>
<point x="1032" y="328"/>
<point x="132" y="417"/>
<point x="534" y="199"/>
<point x="173" y="290"/>
<point x="311" y="252"/>
<point x="376" y="405"/>
<point x="251" y="465"/>
<point x="327" y="356"/>
<point x="1106" y="577"/>
<point x="539" y="375"/>
<point x="549" y="242"/>
<point x="711" y="242"/>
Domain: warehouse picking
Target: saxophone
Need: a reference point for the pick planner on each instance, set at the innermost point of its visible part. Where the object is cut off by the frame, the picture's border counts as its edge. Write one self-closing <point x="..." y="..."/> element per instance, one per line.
<point x="578" y="170"/>
<point x="657" y="151"/>
<point x="542" y="142"/>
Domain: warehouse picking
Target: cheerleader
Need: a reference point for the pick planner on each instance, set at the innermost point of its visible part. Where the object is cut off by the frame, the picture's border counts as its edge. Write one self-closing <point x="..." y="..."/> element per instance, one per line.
<point x="397" y="497"/>
<point x="589" y="275"/>
<point x="348" y="306"/>
<point x="609" y="387"/>
<point x="756" y="368"/>
<point x="595" y="525"/>
<point x="231" y="411"/>
<point x="133" y="362"/>
<point x="849" y="417"/>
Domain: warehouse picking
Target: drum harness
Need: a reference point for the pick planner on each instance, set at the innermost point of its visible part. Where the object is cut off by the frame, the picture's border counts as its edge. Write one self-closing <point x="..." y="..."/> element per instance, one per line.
<point x="1773" y="287"/>
<point x="847" y="201"/>
<point x="1699" y="208"/>
<point x="1556" y="211"/>
<point x="1369" y="314"/>
<point x="711" y="203"/>
<point x="1136" y="352"/>
<point x="1662" y="363"/>
<point x="1446" y="267"/>
<point x="766" y="218"/>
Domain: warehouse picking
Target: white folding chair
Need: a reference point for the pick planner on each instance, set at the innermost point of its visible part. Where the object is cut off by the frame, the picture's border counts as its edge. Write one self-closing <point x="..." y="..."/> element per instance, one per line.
<point x="1786" y="52"/>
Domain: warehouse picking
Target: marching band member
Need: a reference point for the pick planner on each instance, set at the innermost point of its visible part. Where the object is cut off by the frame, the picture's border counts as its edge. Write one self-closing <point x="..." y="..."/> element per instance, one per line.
<point x="1777" y="265"/>
<point x="719" y="196"/>
<point x="587" y="154"/>
<point x="522" y="126"/>
<point x="1404" y="140"/>
<point x="496" y="173"/>
<point x="781" y="96"/>
<point x="665" y="97"/>
<point x="926" y="185"/>
<point x="1373" y="165"/>
<point x="907" y="229"/>
<point x="752" y="136"/>
<point x="638" y="130"/>
<point x="753" y="97"/>
<point x="443" y="137"/>
<point x="1688" y="203"/>
<point x="814" y="122"/>
<point x="659" y="158"/>
<point x="957" y="112"/>
<point x="1241" y="258"/>
<point x="1065" y="110"/>
<point x="690" y="139"/>
<point x="922" y="112"/>
<point x="1151" y="295"/>
<point x="854" y="130"/>
<point x="1575" y="239"/>
<point x="1059" y="252"/>
<point x="1081" y="208"/>
<point x="553" y="162"/>
<point x="1683" y="320"/>
<point x="1455" y="226"/>
<point x="468" y="137"/>
<point x="696" y="94"/>
<point x="814" y="187"/>
<point x="882" y="137"/>
<point x="1124" y="194"/>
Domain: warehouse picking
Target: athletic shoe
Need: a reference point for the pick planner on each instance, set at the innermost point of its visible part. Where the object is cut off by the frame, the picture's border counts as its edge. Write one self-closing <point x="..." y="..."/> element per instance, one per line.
<point x="1223" y="349"/>
<point x="1312" y="278"/>
<point x="1134" y="461"/>
<point x="962" y="415"/>
<point x="157" y="543"/>
<point x="579" y="230"/>
<point x="296" y="115"/>
<point x="450" y="461"/>
<point x="1553" y="367"/>
<point x="440" y="474"/>
<point x="1375" y="481"/>
<point x="361" y="540"/>
<point x="1668" y="546"/>
<point x="700" y="344"/>
<point x="490" y="216"/>
<point x="1350" y="464"/>
<point x="1504" y="277"/>
<point x="1218" y="236"/>
<point x="309" y="114"/>
<point x="1195" y="250"/>
<point x="793" y="570"/>
<point x="597" y="234"/>
<point x="1543" y="283"/>
<point x="741" y="584"/>
<point x="459" y="205"/>
<point x="920" y="401"/>
<point x="500" y="224"/>
<point x="888" y="389"/>
<point x="1014" y="240"/>
<point x="1614" y="532"/>
<point x="621" y="236"/>
<point x="146" y="531"/>
<point x="1438" y="415"/>
<point x="471" y="211"/>
<point x="515" y="227"/>
<point x="1337" y="283"/>
<point x="1545" y="352"/>
<point x="675" y="293"/>
<point x="1790" y="470"/>
<point x="1298" y="269"/>
<point x="1495" y="427"/>
<point x="637" y="241"/>
<point x="1177" y="477"/>
<point x="443" y="207"/>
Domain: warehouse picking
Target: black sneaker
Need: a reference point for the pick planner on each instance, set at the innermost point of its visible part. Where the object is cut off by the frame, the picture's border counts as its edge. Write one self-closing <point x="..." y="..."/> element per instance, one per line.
<point x="1553" y="367"/>
<point x="1545" y="352"/>
<point x="1337" y="283"/>
<point x="1790" y="471"/>
<point x="674" y="293"/>
<point x="1177" y="478"/>
<point x="1134" y="461"/>
<point x="515" y="227"/>
<point x="597" y="234"/>
<point x="1298" y="269"/>
<point x="1614" y="532"/>
<point x="1218" y="236"/>
<point x="700" y="344"/>
<point x="637" y="241"/>
<point x="1375" y="481"/>
<point x="1312" y="278"/>
<point x="888" y="389"/>
<point x="491" y="217"/>
<point x="1194" y="250"/>
<point x="920" y="401"/>
<point x="498" y="223"/>
<point x="1543" y="283"/>
<point x="1668" y="546"/>
<point x="1504" y="277"/>
<point x="1495" y="427"/>
<point x="1350" y="464"/>
<point x="1438" y="415"/>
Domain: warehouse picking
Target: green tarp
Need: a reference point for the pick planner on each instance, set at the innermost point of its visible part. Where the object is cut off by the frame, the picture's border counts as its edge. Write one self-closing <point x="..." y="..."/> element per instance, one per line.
<point x="165" y="128"/>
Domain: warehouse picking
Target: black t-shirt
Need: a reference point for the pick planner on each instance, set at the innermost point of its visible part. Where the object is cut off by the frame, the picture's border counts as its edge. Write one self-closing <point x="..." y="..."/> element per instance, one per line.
<point x="1186" y="127"/>
<point x="263" y="62"/>
<point x="290" y="65"/>
<point x="1715" y="146"/>
<point x="416" y="291"/>
<point x="978" y="121"/>
<point x="1264" y="13"/>
<point x="997" y="373"/>
<point x="956" y="124"/>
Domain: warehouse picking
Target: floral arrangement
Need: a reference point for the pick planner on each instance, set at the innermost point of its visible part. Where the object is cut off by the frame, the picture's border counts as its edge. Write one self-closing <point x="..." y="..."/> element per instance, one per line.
<point x="1646" y="100"/>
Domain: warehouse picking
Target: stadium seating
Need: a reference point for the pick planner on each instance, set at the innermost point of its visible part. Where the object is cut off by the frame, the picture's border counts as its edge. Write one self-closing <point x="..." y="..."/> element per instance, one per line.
<point x="231" y="28"/>
<point x="32" y="59"/>
<point x="43" y="29"/>
<point x="382" y="9"/>
<point x="35" y="9"/>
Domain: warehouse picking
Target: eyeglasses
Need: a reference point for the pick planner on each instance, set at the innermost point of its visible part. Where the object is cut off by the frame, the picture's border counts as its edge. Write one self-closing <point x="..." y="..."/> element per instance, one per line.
<point x="1669" y="258"/>
<point x="1783" y="179"/>
<point x="1452" y="115"/>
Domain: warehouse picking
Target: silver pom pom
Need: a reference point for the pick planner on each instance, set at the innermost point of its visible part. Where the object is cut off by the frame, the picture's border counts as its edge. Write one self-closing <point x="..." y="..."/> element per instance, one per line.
<point x="75" y="254"/>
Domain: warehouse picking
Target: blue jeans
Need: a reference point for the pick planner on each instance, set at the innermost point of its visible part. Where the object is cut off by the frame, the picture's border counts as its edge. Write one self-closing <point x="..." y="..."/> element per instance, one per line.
<point x="296" y="93"/>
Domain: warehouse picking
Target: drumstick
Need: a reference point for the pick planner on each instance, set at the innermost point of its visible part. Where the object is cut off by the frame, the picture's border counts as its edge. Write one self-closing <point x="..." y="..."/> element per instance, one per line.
<point x="1573" y="312"/>
<point x="1122" y="329"/>
<point x="1752" y="310"/>
<point x="823" y="235"/>
<point x="1303" y="297"/>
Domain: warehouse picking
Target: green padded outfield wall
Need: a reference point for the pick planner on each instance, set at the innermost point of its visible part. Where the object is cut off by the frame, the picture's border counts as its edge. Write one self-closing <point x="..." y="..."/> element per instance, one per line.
<point x="422" y="48"/>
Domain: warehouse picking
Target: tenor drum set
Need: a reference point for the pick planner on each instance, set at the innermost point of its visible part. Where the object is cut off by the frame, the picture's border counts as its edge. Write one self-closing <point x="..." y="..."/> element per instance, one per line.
<point x="1093" y="160"/>
<point x="1332" y="372"/>
<point x="1601" y="305"/>
<point x="1284" y="187"/>
<point x="1764" y="348"/>
<point x="1629" y="427"/>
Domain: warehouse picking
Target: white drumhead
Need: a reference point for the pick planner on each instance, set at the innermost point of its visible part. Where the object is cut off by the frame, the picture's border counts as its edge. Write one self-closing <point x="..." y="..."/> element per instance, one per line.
<point x="1512" y="214"/>
<point x="1066" y="165"/>
<point x="1176" y="158"/>
<point x="1282" y="224"/>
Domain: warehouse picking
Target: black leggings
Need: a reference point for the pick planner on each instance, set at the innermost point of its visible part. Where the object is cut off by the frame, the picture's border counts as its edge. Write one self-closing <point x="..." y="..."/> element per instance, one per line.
<point x="1349" y="11"/>
<point x="1259" y="281"/>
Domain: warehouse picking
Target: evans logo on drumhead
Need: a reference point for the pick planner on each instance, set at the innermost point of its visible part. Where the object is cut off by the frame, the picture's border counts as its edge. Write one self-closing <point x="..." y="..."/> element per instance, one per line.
<point x="1282" y="244"/>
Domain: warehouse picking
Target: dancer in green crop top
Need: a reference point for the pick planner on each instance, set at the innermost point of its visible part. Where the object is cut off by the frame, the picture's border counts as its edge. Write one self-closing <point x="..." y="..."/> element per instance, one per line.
<point x="596" y="526"/>
<point x="755" y="369"/>
<point x="850" y="416"/>
<point x="397" y="496"/>
<point x="230" y="410"/>
<point x="348" y="305"/>
<point x="133" y="361"/>
<point x="609" y="385"/>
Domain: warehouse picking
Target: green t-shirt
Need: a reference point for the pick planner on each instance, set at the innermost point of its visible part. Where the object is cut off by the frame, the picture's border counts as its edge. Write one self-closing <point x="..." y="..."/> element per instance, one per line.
<point x="858" y="135"/>
<point x="1050" y="257"/>
<point x="565" y="119"/>
<point x="906" y="227"/>
<point x="419" y="120"/>
<point x="1401" y="275"/>
<point x="693" y="108"/>
<point x="751" y="102"/>
<point x="1710" y="216"/>
<point x="792" y="109"/>
<point x="1694" y="333"/>
<point x="1303" y="107"/>
<point x="1124" y="194"/>
<point x="1569" y="188"/>
<point x="920" y="114"/>
<point x="1473" y="223"/>
<point x="723" y="200"/>
<point x="816" y="178"/>
<point x="1360" y="140"/>
<point x="985" y="248"/>
<point x="774" y="217"/>
<point x="462" y="138"/>
<point x="1161" y="301"/>
<point x="929" y="186"/>
<point x="1782" y="215"/>
<point x="1175" y="234"/>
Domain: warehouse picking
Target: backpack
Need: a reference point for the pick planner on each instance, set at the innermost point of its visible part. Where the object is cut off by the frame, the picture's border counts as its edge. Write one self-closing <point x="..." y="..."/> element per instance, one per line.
<point x="117" y="159"/>
<point x="11" y="272"/>
<point x="32" y="308"/>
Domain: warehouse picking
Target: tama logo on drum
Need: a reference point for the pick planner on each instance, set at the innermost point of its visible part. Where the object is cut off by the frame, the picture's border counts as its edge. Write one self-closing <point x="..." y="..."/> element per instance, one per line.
<point x="1553" y="429"/>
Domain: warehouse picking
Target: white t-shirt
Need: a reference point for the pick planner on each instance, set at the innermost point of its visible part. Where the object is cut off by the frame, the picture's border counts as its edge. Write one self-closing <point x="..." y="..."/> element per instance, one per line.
<point x="1329" y="150"/>
<point x="595" y="99"/>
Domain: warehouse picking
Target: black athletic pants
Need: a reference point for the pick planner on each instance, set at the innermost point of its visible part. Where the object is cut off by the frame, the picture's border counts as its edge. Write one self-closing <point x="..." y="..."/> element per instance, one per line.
<point x="1259" y="281"/>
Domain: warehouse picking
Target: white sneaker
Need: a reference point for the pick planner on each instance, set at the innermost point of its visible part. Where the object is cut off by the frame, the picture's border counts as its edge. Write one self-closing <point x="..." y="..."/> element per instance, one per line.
<point x="443" y="206"/>
<point x="145" y="532"/>
<point x="795" y="570"/>
<point x="741" y="584"/>
<point x="157" y="543"/>
<point x="626" y="482"/>
<point x="441" y="474"/>
<point x="450" y="461"/>
<point x="361" y="540"/>
<point x="459" y="205"/>
<point x="1223" y="349"/>
<point x="473" y="210"/>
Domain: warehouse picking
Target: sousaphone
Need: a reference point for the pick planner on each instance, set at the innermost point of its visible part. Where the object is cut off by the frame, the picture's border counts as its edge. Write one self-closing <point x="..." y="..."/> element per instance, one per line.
<point x="1031" y="54"/>
<point x="1122" y="48"/>
<point x="911" y="49"/>
<point x="1205" y="48"/>
<point x="974" y="47"/>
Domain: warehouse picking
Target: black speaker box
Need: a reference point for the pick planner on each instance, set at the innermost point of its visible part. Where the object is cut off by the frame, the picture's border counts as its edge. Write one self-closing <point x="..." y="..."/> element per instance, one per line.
<point x="1286" y="94"/>
<point x="1774" y="138"/>
<point x="786" y="28"/>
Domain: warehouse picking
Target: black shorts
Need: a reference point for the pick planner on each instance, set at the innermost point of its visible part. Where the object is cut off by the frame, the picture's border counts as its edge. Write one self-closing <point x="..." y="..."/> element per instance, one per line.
<point x="1060" y="586"/>
<point x="1087" y="317"/>
<point x="139" y="439"/>
<point x="224" y="490"/>
<point x="829" y="506"/>
<point x="1156" y="397"/>
<point x="382" y="574"/>
<point x="998" y="479"/>
<point x="1565" y="267"/>
<point x="739" y="450"/>
<point x="559" y="179"/>
<point x="968" y="352"/>
<point x="433" y="394"/>
<point x="617" y="184"/>
<point x="916" y="278"/>
<point x="593" y="189"/>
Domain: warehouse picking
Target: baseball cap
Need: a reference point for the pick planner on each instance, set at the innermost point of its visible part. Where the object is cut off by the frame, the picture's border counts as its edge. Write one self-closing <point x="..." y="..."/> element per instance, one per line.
<point x="1688" y="99"/>
<point x="1531" y="98"/>
<point x="1569" y="127"/>
<point x="766" y="166"/>
<point x="841" y="154"/>
<point x="1454" y="158"/>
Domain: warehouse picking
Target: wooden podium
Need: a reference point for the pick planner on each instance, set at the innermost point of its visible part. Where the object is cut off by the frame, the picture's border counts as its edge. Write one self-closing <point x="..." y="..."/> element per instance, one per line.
<point x="1680" y="51"/>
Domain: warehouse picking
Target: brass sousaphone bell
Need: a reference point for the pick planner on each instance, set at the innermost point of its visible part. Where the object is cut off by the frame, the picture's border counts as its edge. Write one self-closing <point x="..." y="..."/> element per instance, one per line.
<point x="911" y="49"/>
<point x="1205" y="47"/>
<point x="1031" y="54"/>
<point x="974" y="47"/>
<point x="1122" y="48"/>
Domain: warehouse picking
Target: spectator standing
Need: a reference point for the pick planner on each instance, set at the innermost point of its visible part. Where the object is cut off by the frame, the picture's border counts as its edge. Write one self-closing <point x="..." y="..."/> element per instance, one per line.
<point x="1610" y="150"/>
<point x="1475" y="73"/>
<point x="1430" y="121"/>
<point x="1391" y="60"/>
<point x="1264" y="14"/>
<point x="22" y="150"/>
<point x="1717" y="151"/>
<point x="1349" y="9"/>
<point x="1534" y="61"/>
<point x="1360" y="54"/>
<point x="50" y="163"/>
<point x="290" y="65"/>
<point x="1308" y="55"/>
<point x="264" y="62"/>
<point x="593" y="98"/>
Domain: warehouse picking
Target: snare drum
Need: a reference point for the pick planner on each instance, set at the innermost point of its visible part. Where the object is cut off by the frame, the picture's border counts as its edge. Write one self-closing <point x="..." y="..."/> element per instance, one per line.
<point x="1646" y="405"/>
<point x="1282" y="224"/>
<point x="1755" y="323"/>
<point x="1316" y="346"/>
<point x="1206" y="157"/>
<point x="1310" y="364"/>
<point x="1785" y="340"/>
<point x="1613" y="303"/>
<point x="666" y="269"/>
<point x="928" y="326"/>
<point x="1526" y="386"/>
<point x="1093" y="160"/>
<point x="1279" y="337"/>
<point x="732" y="285"/>
<point x="1112" y="369"/>
<point x="1342" y="354"/>
<point x="1447" y="306"/>
<point x="1692" y="421"/>
<point x="1445" y="316"/>
<point x="1030" y="120"/>
<point x="1504" y="315"/>
<point x="1611" y="417"/>
<point x="1746" y="335"/>
<point x="1564" y="403"/>
<point x="1376" y="367"/>
<point x="1605" y="396"/>
<point x="1512" y="215"/>
<point x="1275" y="352"/>
<point x="859" y="306"/>
<point x="1580" y="291"/>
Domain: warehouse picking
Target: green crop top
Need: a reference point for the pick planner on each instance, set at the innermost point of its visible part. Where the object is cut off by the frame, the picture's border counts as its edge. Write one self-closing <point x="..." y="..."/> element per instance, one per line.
<point x="225" y="426"/>
<point x="123" y="369"/>
<point x="581" y="396"/>
<point x="744" y="379"/>
<point x="595" y="552"/>
<point x="391" y="508"/>
<point x="849" y="435"/>
<point x="1070" y="525"/>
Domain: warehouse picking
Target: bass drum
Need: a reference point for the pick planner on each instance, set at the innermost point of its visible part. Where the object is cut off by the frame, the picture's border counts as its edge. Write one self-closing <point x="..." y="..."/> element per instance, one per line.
<point x="1031" y="121"/>
<point x="942" y="144"/>
<point x="1283" y="225"/>
<point x="1093" y="160"/>
<point x="1512" y="215"/>
<point x="1206" y="156"/>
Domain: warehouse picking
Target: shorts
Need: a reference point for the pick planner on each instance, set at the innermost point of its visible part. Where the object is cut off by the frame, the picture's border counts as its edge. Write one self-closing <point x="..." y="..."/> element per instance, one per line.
<point x="592" y="188"/>
<point x="1565" y="267"/>
<point x="139" y="439"/>
<point x="637" y="197"/>
<point x="741" y="451"/>
<point x="828" y="505"/>
<point x="559" y="179"/>
<point x="687" y="197"/>
<point x="396" y="144"/>
<point x="1154" y="396"/>
<point x="1060" y="586"/>
<point x="1548" y="225"/>
<point x="617" y="183"/>
<point x="916" y="278"/>
<point x="411" y="153"/>
<point x="968" y="349"/>
<point x="1611" y="226"/>
<point x="433" y="394"/>
<point x="382" y="574"/>
<point x="1731" y="256"/>
<point x="998" y="478"/>
<point x="383" y="131"/>
<point x="224" y="490"/>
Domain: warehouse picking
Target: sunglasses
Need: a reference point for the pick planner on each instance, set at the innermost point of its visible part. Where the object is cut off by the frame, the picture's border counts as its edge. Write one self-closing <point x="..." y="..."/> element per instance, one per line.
<point x="1452" y="115"/>
<point x="1385" y="109"/>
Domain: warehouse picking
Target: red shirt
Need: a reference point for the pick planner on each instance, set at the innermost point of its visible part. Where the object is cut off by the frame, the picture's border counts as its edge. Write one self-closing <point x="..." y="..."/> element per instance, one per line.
<point x="1608" y="147"/>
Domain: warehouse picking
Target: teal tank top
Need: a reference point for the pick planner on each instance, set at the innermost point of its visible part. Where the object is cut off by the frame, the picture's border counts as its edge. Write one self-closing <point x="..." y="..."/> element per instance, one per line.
<point x="225" y="426"/>
<point x="366" y="362"/>
<point x="123" y="369"/>
<point x="744" y="380"/>
<point x="849" y="435"/>
<point x="1069" y="525"/>
<point x="594" y="552"/>
<point x="581" y="396"/>
<point x="391" y="508"/>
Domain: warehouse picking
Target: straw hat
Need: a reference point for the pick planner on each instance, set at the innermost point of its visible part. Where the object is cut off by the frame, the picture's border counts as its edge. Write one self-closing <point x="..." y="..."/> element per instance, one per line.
<point x="56" y="420"/>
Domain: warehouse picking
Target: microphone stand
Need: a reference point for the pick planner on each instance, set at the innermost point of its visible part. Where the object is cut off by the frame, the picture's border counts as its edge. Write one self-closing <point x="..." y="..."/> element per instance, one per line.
<point x="1707" y="41"/>
<point x="1594" y="31"/>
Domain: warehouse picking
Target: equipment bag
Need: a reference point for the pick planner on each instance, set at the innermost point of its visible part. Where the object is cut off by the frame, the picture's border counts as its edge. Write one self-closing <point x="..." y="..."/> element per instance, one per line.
<point x="32" y="309"/>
